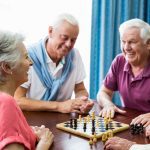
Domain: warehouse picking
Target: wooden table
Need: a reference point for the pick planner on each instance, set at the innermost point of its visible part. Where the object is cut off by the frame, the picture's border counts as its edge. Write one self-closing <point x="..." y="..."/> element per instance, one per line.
<point x="66" y="141"/>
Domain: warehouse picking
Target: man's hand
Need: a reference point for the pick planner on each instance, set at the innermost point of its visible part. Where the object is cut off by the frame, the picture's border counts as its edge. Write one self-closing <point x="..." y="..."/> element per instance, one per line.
<point x="87" y="106"/>
<point x="144" y="119"/>
<point x="116" y="143"/>
<point x="79" y="105"/>
<point x="109" y="111"/>
<point x="147" y="131"/>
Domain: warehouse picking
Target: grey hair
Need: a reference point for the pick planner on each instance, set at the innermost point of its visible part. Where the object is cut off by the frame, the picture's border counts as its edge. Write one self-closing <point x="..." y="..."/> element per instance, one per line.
<point x="136" y="23"/>
<point x="65" y="17"/>
<point x="9" y="52"/>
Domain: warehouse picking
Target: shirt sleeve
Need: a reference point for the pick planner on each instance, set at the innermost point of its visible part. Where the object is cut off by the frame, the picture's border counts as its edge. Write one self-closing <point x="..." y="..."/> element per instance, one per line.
<point x="140" y="147"/>
<point x="110" y="80"/>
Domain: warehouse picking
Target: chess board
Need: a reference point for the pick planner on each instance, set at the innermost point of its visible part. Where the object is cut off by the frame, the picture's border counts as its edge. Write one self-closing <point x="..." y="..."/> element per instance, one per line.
<point x="99" y="126"/>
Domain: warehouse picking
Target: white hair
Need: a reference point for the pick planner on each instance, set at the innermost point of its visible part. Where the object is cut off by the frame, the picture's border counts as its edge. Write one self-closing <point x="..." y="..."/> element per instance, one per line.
<point x="136" y="23"/>
<point x="9" y="52"/>
<point x="65" y="17"/>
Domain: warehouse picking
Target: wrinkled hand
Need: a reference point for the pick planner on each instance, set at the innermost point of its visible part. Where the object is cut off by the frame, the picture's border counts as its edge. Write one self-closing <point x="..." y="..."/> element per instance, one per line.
<point x="116" y="143"/>
<point x="147" y="131"/>
<point x="109" y="111"/>
<point x="44" y="136"/>
<point x="78" y="105"/>
<point x="144" y="119"/>
<point x="87" y="106"/>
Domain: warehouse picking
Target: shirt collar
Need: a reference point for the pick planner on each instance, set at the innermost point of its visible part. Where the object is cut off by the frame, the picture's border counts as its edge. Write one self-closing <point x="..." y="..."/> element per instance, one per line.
<point x="127" y="67"/>
<point x="146" y="72"/>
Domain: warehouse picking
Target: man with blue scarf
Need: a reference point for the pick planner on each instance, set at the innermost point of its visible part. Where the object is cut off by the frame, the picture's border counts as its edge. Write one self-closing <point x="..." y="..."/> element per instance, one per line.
<point x="57" y="72"/>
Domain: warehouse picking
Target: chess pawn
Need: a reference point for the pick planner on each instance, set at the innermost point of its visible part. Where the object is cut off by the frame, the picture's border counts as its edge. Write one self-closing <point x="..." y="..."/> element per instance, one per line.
<point x="109" y="134"/>
<point x="91" y="141"/>
<point x="80" y="118"/>
<point x="104" y="137"/>
<point x="85" y="124"/>
<point x="88" y="118"/>
<point x="97" y="123"/>
<point x="109" y="119"/>
<point x="106" y="123"/>
<point x="94" y="138"/>
<point x="93" y="115"/>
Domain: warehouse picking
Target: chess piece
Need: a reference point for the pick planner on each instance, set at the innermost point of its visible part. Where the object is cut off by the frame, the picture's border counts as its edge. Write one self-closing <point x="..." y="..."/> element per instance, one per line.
<point x="97" y="123"/>
<point x="109" y="134"/>
<point x="106" y="123"/>
<point x="84" y="125"/>
<point x="94" y="138"/>
<point x="104" y="137"/>
<point x="109" y="118"/>
<point x="136" y="129"/>
<point x="93" y="115"/>
<point x="80" y="118"/>
<point x="71" y="123"/>
<point x="93" y="130"/>
<point x="75" y="123"/>
<point x="91" y="141"/>
<point x="88" y="118"/>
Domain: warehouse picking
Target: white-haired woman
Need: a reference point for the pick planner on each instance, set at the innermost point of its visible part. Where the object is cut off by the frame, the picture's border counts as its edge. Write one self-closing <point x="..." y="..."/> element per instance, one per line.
<point x="15" y="133"/>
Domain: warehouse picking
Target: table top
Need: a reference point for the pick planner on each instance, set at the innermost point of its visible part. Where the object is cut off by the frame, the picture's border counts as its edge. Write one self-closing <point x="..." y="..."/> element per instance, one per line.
<point x="68" y="141"/>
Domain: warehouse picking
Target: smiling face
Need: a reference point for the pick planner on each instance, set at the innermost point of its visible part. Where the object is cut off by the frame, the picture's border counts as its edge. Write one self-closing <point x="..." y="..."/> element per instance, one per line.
<point x="62" y="39"/>
<point x="134" y="49"/>
<point x="20" y="72"/>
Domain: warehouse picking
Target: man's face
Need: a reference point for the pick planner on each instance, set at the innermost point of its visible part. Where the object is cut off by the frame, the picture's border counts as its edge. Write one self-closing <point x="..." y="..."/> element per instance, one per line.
<point x="63" y="38"/>
<point x="133" y="46"/>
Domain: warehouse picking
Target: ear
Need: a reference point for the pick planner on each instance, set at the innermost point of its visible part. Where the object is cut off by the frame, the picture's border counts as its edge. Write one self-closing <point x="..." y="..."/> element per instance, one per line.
<point x="6" y="68"/>
<point x="50" y="30"/>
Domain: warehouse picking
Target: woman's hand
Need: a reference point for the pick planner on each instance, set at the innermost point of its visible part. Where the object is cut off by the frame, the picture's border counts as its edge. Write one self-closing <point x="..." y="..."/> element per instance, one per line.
<point x="44" y="136"/>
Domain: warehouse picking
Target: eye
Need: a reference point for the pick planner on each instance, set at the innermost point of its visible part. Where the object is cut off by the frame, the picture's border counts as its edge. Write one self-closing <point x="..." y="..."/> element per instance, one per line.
<point x="73" y="40"/>
<point x="63" y="37"/>
<point x="28" y="57"/>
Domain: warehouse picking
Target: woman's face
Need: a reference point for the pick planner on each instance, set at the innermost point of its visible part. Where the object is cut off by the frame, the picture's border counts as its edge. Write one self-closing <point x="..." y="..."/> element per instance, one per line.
<point x="21" y="71"/>
<point x="133" y="47"/>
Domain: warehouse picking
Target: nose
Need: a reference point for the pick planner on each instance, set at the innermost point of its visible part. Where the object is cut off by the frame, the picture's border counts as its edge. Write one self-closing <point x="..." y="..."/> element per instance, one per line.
<point x="30" y="61"/>
<point x="126" y="46"/>
<point x="68" y="43"/>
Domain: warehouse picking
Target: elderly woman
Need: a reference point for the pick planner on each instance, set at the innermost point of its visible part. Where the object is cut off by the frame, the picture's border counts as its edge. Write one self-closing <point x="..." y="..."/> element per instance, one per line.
<point x="15" y="133"/>
<point x="130" y="71"/>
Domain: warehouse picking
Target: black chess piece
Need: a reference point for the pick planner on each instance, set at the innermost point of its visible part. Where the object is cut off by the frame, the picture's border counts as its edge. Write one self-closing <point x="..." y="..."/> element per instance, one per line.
<point x="84" y="127"/>
<point x="75" y="123"/>
<point x="71" y="123"/>
<point x="136" y="129"/>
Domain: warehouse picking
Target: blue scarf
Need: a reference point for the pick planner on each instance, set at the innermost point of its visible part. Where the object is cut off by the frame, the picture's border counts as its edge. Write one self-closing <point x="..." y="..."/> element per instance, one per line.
<point x="38" y="56"/>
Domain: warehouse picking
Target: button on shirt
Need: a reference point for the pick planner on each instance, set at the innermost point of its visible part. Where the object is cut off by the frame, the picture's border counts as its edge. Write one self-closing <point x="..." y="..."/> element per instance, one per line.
<point x="134" y="91"/>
